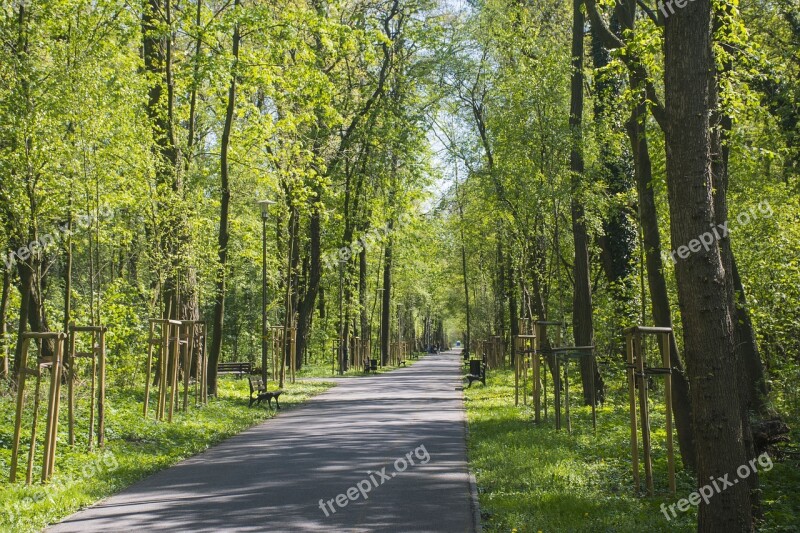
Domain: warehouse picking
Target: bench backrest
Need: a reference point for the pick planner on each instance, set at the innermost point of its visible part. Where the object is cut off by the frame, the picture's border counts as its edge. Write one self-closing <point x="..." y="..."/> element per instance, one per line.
<point x="238" y="367"/>
<point x="256" y="384"/>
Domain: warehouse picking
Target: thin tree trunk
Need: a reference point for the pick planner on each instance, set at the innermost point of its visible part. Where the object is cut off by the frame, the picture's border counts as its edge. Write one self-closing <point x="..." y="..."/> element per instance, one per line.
<point x="513" y="312"/>
<point x="224" y="233"/>
<point x="25" y="290"/>
<point x="582" y="324"/>
<point x="500" y="287"/>
<point x="659" y="298"/>
<point x="362" y="294"/>
<point x="387" y="296"/>
<point x="464" y="269"/>
<point x="3" y="323"/>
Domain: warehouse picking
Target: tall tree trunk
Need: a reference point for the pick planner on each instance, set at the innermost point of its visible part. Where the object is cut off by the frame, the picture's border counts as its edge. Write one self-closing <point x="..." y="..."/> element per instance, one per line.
<point x="753" y="384"/>
<point x="224" y="233"/>
<point x="616" y="168"/>
<point x="387" y="296"/>
<point x="464" y="274"/>
<point x="582" y="300"/>
<point x="539" y="312"/>
<point x="750" y="372"/>
<point x="637" y="133"/>
<point x="365" y="332"/>
<point x="500" y="287"/>
<point x="3" y="323"/>
<point x="705" y="301"/>
<point x="513" y="313"/>
<point x="180" y="299"/>
<point x="288" y="319"/>
<point x="659" y="298"/>
<point x="25" y="290"/>
<point x="307" y="304"/>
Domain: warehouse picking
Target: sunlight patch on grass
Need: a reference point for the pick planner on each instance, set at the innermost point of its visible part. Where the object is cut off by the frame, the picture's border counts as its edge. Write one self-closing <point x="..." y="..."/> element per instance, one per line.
<point x="534" y="478"/>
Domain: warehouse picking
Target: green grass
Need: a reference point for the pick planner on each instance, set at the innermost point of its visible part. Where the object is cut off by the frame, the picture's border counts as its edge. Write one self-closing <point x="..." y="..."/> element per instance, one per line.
<point x="135" y="448"/>
<point x="536" y="479"/>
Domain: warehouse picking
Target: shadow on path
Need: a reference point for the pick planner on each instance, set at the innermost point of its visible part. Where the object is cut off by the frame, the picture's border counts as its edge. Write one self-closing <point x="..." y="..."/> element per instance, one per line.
<point x="272" y="476"/>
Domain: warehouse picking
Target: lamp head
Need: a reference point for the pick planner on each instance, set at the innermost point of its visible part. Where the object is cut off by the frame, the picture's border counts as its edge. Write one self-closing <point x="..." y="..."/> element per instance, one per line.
<point x="264" y="204"/>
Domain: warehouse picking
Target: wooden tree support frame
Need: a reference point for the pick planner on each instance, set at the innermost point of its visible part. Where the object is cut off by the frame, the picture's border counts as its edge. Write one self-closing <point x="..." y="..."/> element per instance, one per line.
<point x="166" y="335"/>
<point x="97" y="356"/>
<point x="277" y="349"/>
<point x="563" y="355"/>
<point x="523" y="362"/>
<point x="398" y="351"/>
<point x="539" y="329"/>
<point x="495" y="352"/>
<point x="638" y="374"/>
<point x="292" y="352"/>
<point x="55" y="364"/>
<point x="181" y="345"/>
<point x="193" y="355"/>
<point x="278" y="346"/>
<point x="360" y="350"/>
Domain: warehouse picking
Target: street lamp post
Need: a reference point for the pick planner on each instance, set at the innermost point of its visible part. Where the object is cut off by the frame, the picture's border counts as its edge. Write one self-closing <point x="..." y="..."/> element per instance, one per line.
<point x="341" y="325"/>
<point x="380" y="328"/>
<point x="264" y="204"/>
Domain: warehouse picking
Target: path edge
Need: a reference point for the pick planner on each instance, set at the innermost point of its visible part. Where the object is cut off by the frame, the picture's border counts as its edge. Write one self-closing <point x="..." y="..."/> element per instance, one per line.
<point x="475" y="505"/>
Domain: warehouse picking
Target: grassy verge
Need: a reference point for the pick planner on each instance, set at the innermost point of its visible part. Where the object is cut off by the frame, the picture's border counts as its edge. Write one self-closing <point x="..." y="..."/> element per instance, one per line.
<point x="135" y="448"/>
<point x="536" y="479"/>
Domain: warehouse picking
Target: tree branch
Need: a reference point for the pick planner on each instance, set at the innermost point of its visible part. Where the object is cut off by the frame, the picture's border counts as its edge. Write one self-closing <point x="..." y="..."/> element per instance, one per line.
<point x="609" y="40"/>
<point x="650" y="13"/>
<point x="612" y="42"/>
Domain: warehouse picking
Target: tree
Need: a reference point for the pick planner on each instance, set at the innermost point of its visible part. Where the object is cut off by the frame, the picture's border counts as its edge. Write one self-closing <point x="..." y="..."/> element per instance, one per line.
<point x="707" y="311"/>
<point x="582" y="322"/>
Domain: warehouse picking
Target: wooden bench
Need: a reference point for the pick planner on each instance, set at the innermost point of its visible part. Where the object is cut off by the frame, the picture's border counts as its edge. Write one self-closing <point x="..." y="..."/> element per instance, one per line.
<point x="240" y="368"/>
<point x="259" y="393"/>
<point x="477" y="372"/>
<point x="370" y="365"/>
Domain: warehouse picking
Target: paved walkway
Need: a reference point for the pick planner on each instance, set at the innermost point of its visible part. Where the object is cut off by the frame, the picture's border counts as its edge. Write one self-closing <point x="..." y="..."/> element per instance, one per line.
<point x="273" y="476"/>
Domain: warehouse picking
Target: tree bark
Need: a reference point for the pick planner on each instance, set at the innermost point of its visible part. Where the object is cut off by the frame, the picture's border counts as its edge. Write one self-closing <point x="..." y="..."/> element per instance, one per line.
<point x="307" y="304"/>
<point x="3" y="323"/>
<point x="223" y="237"/>
<point x="467" y="310"/>
<point x="513" y="312"/>
<point x="706" y="304"/>
<point x="582" y="324"/>
<point x="659" y="298"/>
<point x="387" y="296"/>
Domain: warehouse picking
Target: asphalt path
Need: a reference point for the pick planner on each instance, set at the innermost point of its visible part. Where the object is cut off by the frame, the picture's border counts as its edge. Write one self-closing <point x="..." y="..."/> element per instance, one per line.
<point x="379" y="453"/>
